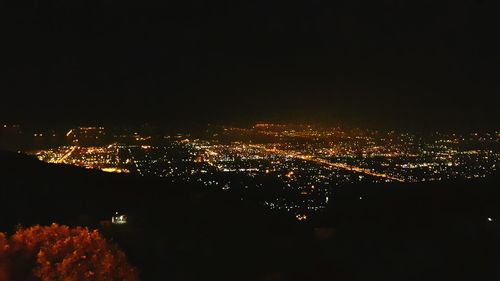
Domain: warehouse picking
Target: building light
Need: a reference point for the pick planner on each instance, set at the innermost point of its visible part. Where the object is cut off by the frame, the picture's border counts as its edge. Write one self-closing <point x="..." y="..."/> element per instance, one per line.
<point x="119" y="219"/>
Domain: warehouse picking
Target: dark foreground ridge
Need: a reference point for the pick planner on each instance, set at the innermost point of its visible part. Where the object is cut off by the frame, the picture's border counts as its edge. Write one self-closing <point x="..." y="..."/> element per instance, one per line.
<point x="433" y="231"/>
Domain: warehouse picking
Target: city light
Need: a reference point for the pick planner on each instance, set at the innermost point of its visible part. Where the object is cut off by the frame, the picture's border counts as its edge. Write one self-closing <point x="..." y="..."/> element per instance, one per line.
<point x="302" y="160"/>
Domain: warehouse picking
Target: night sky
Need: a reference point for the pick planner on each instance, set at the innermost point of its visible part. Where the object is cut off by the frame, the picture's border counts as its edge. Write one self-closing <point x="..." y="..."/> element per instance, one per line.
<point x="385" y="64"/>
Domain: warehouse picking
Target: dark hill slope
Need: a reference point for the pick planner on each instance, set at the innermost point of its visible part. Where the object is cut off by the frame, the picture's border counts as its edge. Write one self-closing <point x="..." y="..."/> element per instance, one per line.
<point x="176" y="232"/>
<point x="431" y="231"/>
<point x="427" y="231"/>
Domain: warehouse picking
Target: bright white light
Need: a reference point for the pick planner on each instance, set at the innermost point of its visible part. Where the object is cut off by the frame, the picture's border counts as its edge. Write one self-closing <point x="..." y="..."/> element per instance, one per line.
<point x="490" y="219"/>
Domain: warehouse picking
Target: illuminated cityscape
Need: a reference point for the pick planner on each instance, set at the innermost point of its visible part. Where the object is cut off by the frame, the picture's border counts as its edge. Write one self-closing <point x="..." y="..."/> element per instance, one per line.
<point x="303" y="163"/>
<point x="250" y="141"/>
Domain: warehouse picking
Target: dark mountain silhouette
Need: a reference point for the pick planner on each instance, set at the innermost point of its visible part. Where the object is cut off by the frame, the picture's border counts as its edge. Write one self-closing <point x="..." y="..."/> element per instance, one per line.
<point x="428" y="231"/>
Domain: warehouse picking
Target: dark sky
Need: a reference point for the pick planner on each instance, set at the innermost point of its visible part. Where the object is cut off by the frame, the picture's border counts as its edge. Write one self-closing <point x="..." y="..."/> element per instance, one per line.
<point x="401" y="64"/>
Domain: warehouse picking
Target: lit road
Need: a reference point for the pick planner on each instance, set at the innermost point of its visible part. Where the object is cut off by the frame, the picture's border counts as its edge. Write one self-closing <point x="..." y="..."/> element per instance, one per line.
<point x="343" y="166"/>
<point x="65" y="156"/>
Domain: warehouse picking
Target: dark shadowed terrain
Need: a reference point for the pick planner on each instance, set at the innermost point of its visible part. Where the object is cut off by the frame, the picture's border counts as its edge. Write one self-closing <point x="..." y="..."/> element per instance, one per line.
<point x="433" y="231"/>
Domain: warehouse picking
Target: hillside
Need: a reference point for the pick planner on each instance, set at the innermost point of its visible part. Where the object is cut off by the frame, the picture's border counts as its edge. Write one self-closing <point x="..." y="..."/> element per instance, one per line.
<point x="431" y="231"/>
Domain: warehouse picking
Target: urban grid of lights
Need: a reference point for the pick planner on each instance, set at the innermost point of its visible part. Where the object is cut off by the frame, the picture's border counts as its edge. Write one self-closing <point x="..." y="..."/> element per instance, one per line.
<point x="303" y="161"/>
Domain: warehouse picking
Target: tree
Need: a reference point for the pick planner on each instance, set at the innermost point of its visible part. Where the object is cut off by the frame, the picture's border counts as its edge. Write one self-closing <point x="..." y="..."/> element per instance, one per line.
<point x="4" y="265"/>
<point x="61" y="253"/>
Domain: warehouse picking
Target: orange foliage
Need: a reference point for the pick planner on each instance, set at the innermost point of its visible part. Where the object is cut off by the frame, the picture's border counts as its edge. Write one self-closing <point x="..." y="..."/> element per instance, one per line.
<point x="4" y="266"/>
<point x="62" y="253"/>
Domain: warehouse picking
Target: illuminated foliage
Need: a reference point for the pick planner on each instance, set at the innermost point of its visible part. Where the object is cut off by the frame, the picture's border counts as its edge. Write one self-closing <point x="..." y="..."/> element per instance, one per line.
<point x="61" y="253"/>
<point x="4" y="266"/>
